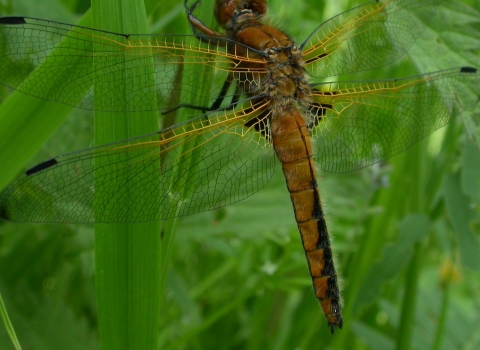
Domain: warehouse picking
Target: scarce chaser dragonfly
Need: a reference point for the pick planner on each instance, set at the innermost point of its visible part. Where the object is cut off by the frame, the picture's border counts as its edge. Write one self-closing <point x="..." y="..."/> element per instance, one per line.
<point x="268" y="101"/>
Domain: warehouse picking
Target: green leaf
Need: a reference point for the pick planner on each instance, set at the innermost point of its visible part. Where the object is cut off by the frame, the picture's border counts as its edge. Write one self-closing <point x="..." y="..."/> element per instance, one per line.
<point x="461" y="215"/>
<point x="395" y="257"/>
<point x="127" y="256"/>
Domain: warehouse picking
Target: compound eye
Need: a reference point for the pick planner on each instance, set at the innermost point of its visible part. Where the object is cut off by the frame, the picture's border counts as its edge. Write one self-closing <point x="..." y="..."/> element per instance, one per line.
<point x="225" y="9"/>
<point x="259" y="7"/>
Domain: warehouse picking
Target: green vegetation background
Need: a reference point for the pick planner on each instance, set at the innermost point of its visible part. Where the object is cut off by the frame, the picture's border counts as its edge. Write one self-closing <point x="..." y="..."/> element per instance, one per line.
<point x="406" y="232"/>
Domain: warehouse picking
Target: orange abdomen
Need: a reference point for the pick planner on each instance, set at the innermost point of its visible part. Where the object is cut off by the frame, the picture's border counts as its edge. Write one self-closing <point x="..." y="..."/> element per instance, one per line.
<point x="293" y="147"/>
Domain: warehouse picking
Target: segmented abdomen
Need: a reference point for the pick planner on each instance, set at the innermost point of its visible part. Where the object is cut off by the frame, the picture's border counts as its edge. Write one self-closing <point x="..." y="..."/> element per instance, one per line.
<point x="293" y="147"/>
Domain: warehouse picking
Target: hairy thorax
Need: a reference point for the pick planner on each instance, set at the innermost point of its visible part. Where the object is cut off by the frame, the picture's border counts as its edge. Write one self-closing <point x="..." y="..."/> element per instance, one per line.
<point x="285" y="84"/>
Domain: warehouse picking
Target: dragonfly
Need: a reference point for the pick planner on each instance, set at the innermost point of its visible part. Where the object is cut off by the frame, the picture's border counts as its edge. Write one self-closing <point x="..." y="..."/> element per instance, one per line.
<point x="268" y="100"/>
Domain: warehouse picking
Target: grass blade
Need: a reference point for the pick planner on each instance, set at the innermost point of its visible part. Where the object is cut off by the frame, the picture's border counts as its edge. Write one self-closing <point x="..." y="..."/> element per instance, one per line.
<point x="8" y="325"/>
<point x="126" y="255"/>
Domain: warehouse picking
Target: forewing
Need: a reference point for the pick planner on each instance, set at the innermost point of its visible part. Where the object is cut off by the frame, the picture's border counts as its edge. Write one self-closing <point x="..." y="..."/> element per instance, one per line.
<point x="200" y="165"/>
<point x="55" y="61"/>
<point x="367" y="37"/>
<point x="367" y="122"/>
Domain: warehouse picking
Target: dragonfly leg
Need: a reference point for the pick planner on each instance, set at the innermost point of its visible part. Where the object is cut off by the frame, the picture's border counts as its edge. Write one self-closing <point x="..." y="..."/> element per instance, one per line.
<point x="316" y="112"/>
<point x="198" y="27"/>
<point x="218" y="101"/>
<point x="260" y="124"/>
<point x="322" y="101"/>
<point x="223" y="92"/>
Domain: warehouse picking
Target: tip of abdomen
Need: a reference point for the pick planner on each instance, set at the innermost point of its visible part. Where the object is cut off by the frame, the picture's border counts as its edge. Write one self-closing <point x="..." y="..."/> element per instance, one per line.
<point x="334" y="320"/>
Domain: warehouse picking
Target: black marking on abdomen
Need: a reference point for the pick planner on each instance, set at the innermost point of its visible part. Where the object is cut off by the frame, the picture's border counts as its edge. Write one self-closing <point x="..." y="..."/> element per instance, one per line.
<point x="333" y="291"/>
<point x="323" y="237"/>
<point x="317" y="206"/>
<point x="318" y="214"/>
<point x="328" y="268"/>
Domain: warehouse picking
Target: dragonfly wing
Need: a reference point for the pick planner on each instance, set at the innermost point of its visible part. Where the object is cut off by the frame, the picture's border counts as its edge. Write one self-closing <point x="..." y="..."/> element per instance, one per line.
<point x="200" y="165"/>
<point x="61" y="62"/>
<point x="367" y="37"/>
<point x="362" y="123"/>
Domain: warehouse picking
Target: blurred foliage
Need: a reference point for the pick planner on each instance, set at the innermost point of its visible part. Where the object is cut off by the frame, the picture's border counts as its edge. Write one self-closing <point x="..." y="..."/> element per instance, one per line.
<point x="238" y="277"/>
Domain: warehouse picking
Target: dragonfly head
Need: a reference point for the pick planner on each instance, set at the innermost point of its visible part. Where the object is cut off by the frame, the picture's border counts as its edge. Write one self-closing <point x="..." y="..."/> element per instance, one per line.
<point x="228" y="10"/>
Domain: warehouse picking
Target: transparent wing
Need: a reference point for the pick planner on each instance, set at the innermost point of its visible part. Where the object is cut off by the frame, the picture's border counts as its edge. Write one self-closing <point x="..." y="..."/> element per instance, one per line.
<point x="200" y="165"/>
<point x="367" y="37"/>
<point x="61" y="62"/>
<point x="362" y="123"/>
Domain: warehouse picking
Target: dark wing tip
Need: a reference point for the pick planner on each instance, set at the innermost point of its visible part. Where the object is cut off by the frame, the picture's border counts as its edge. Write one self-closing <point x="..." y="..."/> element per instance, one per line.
<point x="42" y="166"/>
<point x="468" y="70"/>
<point x="4" y="214"/>
<point x="12" y="20"/>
